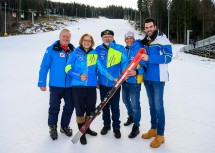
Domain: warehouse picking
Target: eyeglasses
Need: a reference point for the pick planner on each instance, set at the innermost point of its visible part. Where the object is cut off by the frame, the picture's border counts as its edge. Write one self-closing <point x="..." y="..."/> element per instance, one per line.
<point x="88" y="41"/>
<point x="106" y="37"/>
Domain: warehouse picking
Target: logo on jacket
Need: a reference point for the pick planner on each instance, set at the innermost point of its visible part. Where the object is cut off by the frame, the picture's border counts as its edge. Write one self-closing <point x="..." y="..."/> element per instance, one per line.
<point x="62" y="55"/>
<point x="102" y="55"/>
<point x="80" y="58"/>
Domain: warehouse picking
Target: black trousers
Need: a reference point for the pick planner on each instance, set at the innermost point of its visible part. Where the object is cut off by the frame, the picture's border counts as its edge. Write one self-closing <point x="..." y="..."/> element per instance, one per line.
<point x="84" y="100"/>
<point x="111" y="107"/>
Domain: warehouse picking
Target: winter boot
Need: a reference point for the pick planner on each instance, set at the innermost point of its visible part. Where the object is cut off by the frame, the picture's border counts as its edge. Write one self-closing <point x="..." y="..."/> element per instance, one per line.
<point x="53" y="131"/>
<point x="83" y="139"/>
<point x="66" y="130"/>
<point x="90" y="132"/>
<point x="135" y="131"/>
<point x="151" y="133"/>
<point x="130" y="120"/>
<point x="105" y="130"/>
<point x="117" y="133"/>
<point x="158" y="140"/>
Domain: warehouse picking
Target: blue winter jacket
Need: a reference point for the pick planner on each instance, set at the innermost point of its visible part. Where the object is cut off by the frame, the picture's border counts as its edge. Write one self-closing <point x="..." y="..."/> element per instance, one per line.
<point x="114" y="59"/>
<point x="80" y="63"/>
<point x="159" y="50"/>
<point x="141" y="67"/>
<point x="54" y="62"/>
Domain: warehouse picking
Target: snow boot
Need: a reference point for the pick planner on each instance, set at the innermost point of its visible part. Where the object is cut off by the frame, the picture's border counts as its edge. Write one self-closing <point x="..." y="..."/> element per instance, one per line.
<point x="53" y="132"/>
<point x="135" y="131"/>
<point x="117" y="133"/>
<point x="91" y="132"/>
<point x="83" y="139"/>
<point x="151" y="133"/>
<point x="105" y="130"/>
<point x="158" y="140"/>
<point x="130" y="120"/>
<point x="66" y="130"/>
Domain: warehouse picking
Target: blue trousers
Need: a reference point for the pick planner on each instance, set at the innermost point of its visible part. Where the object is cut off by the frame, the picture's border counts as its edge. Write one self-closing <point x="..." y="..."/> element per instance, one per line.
<point x="112" y="105"/>
<point x="131" y="99"/>
<point x="56" y="94"/>
<point x="155" y="91"/>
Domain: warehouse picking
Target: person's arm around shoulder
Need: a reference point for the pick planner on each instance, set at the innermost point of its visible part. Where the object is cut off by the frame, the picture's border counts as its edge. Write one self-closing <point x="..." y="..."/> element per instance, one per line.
<point x="124" y="60"/>
<point x="103" y="70"/>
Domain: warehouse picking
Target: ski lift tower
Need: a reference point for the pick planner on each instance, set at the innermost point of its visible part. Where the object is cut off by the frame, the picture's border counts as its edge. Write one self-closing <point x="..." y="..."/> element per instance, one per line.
<point x="32" y="13"/>
<point x="5" y="19"/>
<point x="188" y="39"/>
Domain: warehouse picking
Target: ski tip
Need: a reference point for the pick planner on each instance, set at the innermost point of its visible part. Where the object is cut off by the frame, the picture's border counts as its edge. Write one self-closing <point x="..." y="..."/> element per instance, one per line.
<point x="142" y="51"/>
<point x="74" y="141"/>
<point x="77" y="137"/>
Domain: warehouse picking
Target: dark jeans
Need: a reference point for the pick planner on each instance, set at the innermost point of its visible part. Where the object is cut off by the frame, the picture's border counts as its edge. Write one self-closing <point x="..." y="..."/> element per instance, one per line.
<point x="155" y="91"/>
<point x="112" y="105"/>
<point x="131" y="99"/>
<point x="84" y="100"/>
<point x="56" y="94"/>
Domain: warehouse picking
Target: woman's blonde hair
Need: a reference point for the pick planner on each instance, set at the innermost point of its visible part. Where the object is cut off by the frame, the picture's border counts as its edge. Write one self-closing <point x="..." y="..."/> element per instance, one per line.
<point x="82" y="38"/>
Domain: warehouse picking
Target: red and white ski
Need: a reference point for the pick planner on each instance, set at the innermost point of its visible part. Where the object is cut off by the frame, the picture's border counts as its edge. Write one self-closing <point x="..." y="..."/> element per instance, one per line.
<point x="108" y="96"/>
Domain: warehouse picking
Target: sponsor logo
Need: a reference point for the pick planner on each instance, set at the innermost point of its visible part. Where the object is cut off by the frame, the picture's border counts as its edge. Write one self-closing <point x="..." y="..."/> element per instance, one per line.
<point x="62" y="55"/>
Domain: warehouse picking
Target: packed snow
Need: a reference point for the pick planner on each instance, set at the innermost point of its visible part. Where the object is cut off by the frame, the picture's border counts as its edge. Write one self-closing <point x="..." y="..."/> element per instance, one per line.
<point x="189" y="100"/>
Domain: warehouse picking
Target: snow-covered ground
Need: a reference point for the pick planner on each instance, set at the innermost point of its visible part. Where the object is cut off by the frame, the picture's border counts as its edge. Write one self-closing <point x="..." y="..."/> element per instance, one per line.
<point x="189" y="100"/>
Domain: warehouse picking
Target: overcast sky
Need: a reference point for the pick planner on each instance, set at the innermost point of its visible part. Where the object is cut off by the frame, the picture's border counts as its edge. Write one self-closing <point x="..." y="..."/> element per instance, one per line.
<point x="104" y="3"/>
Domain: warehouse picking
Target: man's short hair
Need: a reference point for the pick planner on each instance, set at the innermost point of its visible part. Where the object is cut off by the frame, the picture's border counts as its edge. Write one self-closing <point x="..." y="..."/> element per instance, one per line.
<point x="147" y="20"/>
<point x="64" y="30"/>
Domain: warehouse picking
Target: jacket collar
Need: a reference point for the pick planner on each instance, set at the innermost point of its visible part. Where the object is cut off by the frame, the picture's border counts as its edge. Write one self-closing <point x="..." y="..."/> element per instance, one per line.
<point x="132" y="46"/>
<point x="148" y="39"/>
<point x="107" y="47"/>
<point x="57" y="47"/>
<point x="82" y="49"/>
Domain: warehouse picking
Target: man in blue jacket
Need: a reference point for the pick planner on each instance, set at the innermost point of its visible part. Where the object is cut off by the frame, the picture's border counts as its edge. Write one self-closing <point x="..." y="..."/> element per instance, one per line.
<point x="132" y="86"/>
<point x="159" y="54"/>
<point x="113" y="57"/>
<point x="54" y="62"/>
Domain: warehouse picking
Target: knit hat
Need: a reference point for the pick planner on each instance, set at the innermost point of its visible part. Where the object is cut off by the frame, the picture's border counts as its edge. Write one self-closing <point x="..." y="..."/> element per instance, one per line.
<point x="107" y="32"/>
<point x="129" y="34"/>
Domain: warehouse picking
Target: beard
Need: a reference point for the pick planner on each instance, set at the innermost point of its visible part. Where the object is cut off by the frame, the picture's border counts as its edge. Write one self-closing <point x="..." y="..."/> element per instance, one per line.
<point x="107" y="43"/>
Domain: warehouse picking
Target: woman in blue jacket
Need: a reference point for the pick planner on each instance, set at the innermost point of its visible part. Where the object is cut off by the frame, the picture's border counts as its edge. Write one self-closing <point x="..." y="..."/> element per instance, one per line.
<point x="82" y="67"/>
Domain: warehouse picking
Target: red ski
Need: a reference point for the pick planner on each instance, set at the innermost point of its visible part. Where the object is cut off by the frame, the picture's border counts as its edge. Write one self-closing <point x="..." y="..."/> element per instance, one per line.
<point x="108" y="96"/>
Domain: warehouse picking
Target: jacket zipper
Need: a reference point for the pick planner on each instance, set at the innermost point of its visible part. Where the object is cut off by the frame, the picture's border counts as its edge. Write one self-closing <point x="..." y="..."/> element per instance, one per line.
<point x="66" y="73"/>
<point x="86" y="70"/>
<point x="106" y="65"/>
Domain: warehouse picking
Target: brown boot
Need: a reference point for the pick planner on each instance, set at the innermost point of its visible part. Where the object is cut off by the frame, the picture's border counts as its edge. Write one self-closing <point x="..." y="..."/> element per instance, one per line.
<point x="151" y="133"/>
<point x="157" y="141"/>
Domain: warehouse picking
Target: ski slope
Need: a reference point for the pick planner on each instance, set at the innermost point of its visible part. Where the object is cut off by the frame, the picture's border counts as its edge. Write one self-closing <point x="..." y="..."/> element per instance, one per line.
<point x="189" y="100"/>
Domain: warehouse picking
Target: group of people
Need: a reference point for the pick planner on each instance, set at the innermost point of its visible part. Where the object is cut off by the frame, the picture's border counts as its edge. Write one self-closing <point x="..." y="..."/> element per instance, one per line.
<point x="75" y="73"/>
